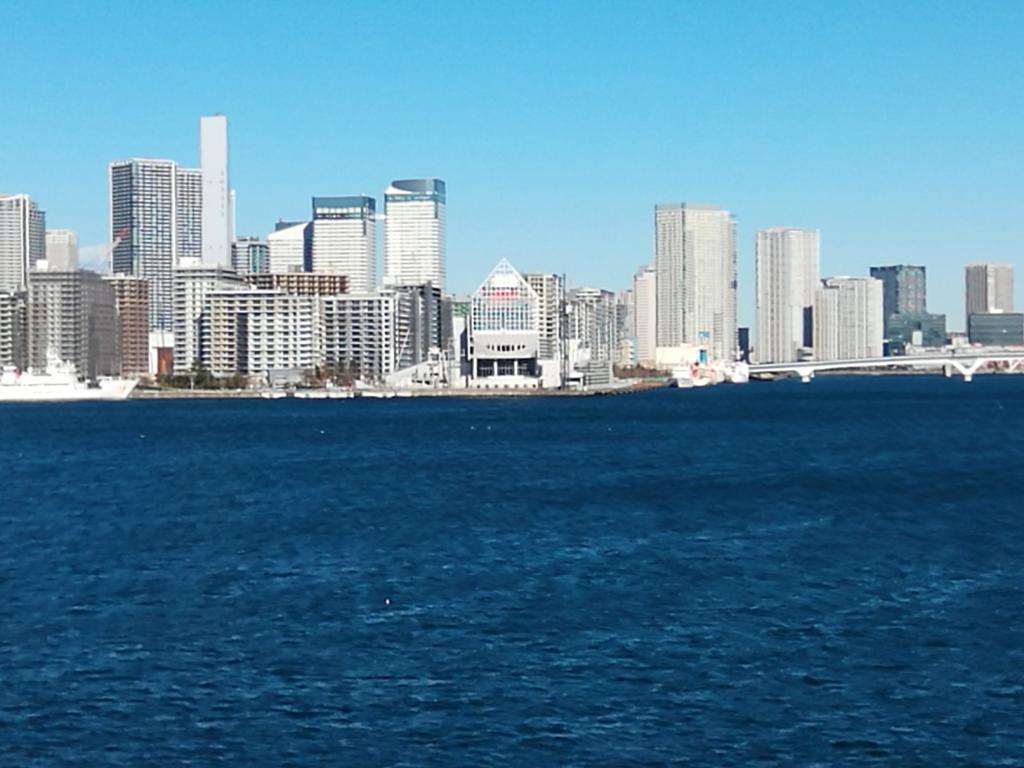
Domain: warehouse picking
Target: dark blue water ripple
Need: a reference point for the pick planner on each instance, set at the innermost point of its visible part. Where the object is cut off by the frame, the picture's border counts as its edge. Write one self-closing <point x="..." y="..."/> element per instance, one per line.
<point x="773" y="575"/>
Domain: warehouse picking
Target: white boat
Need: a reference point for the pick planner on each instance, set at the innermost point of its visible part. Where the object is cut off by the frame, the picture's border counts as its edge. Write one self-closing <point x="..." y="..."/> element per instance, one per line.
<point x="273" y="394"/>
<point x="59" y="383"/>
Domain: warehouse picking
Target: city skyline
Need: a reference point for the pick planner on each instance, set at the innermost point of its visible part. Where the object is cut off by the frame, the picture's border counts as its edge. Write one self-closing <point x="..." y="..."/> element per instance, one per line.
<point x="859" y="141"/>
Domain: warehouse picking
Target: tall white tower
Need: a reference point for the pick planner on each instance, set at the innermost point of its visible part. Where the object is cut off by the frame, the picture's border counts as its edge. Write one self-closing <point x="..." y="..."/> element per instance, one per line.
<point x="848" y="318"/>
<point x="788" y="263"/>
<point x="345" y="240"/>
<point x="695" y="260"/>
<point x="213" y="159"/>
<point x="414" y="213"/>
<point x="645" y="315"/>
<point x="22" y="240"/>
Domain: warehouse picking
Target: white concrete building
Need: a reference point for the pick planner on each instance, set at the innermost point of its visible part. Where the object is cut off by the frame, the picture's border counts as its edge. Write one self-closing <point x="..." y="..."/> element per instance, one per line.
<point x="155" y="219"/>
<point x="61" y="249"/>
<point x="848" y="321"/>
<point x="550" y="290"/>
<point x="593" y="321"/>
<point x="695" y="259"/>
<point x="504" y="332"/>
<point x="988" y="288"/>
<point x="289" y="247"/>
<point x="217" y="226"/>
<point x="22" y="240"/>
<point x="788" y="274"/>
<point x="194" y="281"/>
<point x="414" y="232"/>
<point x="360" y="333"/>
<point x="345" y="239"/>
<point x="645" y="315"/>
<point x="256" y="333"/>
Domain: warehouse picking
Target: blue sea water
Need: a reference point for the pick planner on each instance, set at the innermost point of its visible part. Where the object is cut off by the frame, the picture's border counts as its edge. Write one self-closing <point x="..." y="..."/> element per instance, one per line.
<point x="770" y="575"/>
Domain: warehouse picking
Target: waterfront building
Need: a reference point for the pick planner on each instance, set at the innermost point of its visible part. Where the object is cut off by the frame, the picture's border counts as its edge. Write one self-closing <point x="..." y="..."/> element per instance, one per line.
<point x="155" y="220"/>
<point x="996" y="329"/>
<point x="504" y="332"/>
<point x="217" y="226"/>
<point x="788" y="263"/>
<point x="914" y="329"/>
<point x="414" y="232"/>
<point x="550" y="290"/>
<point x="72" y="317"/>
<point x="259" y="333"/>
<point x="290" y="247"/>
<point x="194" y="282"/>
<point x="645" y="315"/>
<point x="250" y="256"/>
<point x="988" y="288"/>
<point x="131" y="297"/>
<point x="848" y="318"/>
<point x="22" y="240"/>
<point x="61" y="249"/>
<point x="345" y="240"/>
<point x="359" y="334"/>
<point x="593" y="325"/>
<point x="14" y="329"/>
<point x="695" y="259"/>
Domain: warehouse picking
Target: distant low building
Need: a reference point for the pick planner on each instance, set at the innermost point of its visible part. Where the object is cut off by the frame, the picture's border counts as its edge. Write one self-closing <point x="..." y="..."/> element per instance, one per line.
<point x="914" y="329"/>
<point x="996" y="329"/>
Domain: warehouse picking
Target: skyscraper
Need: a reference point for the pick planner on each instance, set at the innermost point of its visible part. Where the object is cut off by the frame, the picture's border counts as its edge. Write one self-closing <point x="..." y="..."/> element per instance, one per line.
<point x="550" y="290"/>
<point x="414" y="214"/>
<point x="290" y="247"/>
<point x="155" y="215"/>
<point x="788" y="262"/>
<point x="645" y="315"/>
<point x="250" y="256"/>
<point x="989" y="288"/>
<point x="848" y="318"/>
<point x="345" y="239"/>
<point x="61" y="249"/>
<point x="904" y="289"/>
<point x="22" y="240"/>
<point x="216" y="191"/>
<point x="695" y="259"/>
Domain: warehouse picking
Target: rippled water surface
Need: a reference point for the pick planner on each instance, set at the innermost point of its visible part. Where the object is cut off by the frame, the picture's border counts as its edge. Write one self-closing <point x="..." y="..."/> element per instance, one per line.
<point x="769" y="575"/>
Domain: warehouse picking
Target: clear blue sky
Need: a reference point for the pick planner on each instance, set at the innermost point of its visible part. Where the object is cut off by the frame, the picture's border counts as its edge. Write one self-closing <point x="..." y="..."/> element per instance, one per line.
<point x="893" y="127"/>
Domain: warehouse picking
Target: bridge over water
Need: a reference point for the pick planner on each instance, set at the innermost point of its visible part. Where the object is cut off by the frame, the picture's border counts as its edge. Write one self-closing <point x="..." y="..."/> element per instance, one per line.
<point x="966" y="362"/>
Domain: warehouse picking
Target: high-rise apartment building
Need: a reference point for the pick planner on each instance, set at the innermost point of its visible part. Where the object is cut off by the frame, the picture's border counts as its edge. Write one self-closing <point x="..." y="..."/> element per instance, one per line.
<point x="155" y="219"/>
<point x="414" y="232"/>
<point x="645" y="315"/>
<point x="345" y="239"/>
<point x="550" y="290"/>
<point x="290" y="247"/>
<point x="61" y="249"/>
<point x="788" y="263"/>
<point x="848" y="318"/>
<point x="989" y="288"/>
<point x="250" y="256"/>
<point x="695" y="259"/>
<point x="22" y="240"/>
<point x="217" y="226"/>
<point x="72" y="316"/>
<point x="194" y="281"/>
<point x="131" y="296"/>
<point x="257" y="333"/>
<point x="14" y="329"/>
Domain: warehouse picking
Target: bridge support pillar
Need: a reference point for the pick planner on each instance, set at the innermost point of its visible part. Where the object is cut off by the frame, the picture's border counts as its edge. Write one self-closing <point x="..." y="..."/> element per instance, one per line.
<point x="806" y="376"/>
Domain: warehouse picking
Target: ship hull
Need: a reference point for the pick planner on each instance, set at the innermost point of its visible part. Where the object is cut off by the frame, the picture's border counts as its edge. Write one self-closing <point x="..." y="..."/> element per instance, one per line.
<point x="113" y="389"/>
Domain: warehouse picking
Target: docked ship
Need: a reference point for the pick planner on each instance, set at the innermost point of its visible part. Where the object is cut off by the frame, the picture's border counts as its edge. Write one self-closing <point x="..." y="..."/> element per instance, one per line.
<point x="59" y="383"/>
